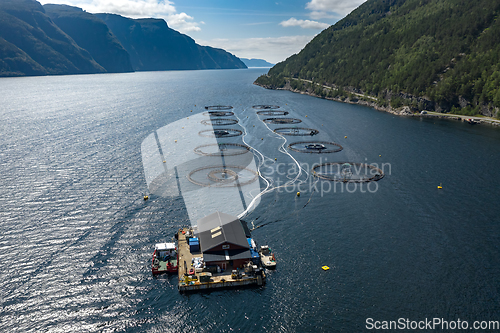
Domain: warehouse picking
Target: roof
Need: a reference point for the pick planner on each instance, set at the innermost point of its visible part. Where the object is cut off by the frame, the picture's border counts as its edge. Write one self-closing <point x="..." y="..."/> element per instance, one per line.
<point x="223" y="256"/>
<point x="219" y="228"/>
<point x="165" y="246"/>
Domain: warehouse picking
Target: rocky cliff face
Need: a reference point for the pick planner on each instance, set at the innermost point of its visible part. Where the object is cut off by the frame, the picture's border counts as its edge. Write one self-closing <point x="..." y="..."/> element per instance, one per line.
<point x="92" y="34"/>
<point x="60" y="39"/>
<point x="31" y="44"/>
<point x="152" y="46"/>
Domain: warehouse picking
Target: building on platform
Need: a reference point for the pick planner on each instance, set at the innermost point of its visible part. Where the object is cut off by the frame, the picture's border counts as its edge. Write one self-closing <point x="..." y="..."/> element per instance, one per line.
<point x="223" y="241"/>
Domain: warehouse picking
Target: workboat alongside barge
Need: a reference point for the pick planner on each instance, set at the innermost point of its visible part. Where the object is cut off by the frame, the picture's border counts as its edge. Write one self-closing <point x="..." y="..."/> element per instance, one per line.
<point x="165" y="259"/>
<point x="267" y="257"/>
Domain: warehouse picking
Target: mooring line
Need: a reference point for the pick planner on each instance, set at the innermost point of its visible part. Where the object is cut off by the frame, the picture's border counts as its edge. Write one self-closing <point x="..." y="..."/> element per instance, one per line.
<point x="262" y="160"/>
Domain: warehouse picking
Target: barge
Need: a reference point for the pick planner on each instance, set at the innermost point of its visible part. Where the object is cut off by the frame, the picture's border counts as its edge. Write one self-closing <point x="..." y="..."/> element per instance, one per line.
<point x="218" y="253"/>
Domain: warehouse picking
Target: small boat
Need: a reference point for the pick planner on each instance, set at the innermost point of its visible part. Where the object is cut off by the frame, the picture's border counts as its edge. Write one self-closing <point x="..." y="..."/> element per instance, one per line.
<point x="165" y="259"/>
<point x="267" y="257"/>
<point x="471" y="121"/>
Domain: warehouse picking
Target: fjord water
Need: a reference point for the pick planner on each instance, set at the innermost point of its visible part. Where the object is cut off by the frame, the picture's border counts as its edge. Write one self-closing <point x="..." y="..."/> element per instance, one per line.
<point x="76" y="236"/>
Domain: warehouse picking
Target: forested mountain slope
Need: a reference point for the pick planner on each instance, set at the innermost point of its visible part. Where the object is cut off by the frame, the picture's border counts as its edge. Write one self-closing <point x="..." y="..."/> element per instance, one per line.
<point x="439" y="55"/>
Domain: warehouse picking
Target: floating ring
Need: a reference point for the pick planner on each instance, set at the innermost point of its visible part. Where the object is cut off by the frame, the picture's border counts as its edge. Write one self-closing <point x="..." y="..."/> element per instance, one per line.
<point x="223" y="149"/>
<point x="218" y="107"/>
<point x="265" y="107"/>
<point x="272" y="113"/>
<point x="220" y="133"/>
<point x="318" y="147"/>
<point x="219" y="122"/>
<point x="218" y="113"/>
<point x="223" y="176"/>
<point x="296" y="131"/>
<point x="282" y="120"/>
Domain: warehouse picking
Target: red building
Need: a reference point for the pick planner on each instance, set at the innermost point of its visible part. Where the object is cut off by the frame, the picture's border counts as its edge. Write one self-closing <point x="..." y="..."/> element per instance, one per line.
<point x="223" y="241"/>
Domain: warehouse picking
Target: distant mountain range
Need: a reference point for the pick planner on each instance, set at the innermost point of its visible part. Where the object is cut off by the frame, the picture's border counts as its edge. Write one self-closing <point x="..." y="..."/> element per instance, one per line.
<point x="256" y="62"/>
<point x="438" y="55"/>
<point x="60" y="39"/>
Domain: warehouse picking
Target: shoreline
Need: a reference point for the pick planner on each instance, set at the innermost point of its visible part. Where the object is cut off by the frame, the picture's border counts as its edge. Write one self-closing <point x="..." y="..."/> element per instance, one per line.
<point x="402" y="111"/>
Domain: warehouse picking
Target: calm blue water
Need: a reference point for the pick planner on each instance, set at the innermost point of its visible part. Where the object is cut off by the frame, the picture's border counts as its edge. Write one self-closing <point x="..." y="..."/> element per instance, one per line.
<point x="76" y="237"/>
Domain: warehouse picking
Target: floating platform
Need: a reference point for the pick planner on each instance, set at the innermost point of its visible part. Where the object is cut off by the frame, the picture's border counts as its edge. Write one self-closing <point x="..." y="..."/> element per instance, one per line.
<point x="203" y="279"/>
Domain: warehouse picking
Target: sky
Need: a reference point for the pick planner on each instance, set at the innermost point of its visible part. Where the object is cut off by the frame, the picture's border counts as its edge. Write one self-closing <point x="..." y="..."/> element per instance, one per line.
<point x="261" y="29"/>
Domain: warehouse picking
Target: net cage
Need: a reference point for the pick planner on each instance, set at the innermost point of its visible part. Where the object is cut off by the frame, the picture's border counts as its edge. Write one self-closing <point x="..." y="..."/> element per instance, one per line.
<point x="296" y="131"/>
<point x="218" y="107"/>
<point x="348" y="172"/>
<point x="222" y="149"/>
<point x="265" y="107"/>
<point x="282" y="120"/>
<point x="315" y="147"/>
<point x="222" y="176"/>
<point x="272" y="113"/>
<point x="220" y="133"/>
<point x="218" y="113"/>
<point x="219" y="122"/>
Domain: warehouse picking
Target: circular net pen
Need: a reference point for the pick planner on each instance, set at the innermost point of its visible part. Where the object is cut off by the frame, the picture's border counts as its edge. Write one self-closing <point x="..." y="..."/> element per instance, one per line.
<point x="218" y="107"/>
<point x="222" y="149"/>
<point x="296" y="131"/>
<point x="218" y="113"/>
<point x="348" y="172"/>
<point x="282" y="121"/>
<point x="272" y="113"/>
<point x="315" y="147"/>
<point x="219" y="122"/>
<point x="222" y="176"/>
<point x="265" y="107"/>
<point x="220" y="133"/>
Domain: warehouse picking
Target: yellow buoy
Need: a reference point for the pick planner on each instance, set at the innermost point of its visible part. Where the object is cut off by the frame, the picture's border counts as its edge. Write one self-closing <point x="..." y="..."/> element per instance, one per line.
<point x="175" y="140"/>
<point x="440" y="186"/>
<point x="325" y="268"/>
<point x="306" y="116"/>
<point x="298" y="194"/>
<point x="345" y="137"/>
<point x="379" y="155"/>
<point x="146" y="197"/>
<point x="164" y="161"/>
<point x="262" y="138"/>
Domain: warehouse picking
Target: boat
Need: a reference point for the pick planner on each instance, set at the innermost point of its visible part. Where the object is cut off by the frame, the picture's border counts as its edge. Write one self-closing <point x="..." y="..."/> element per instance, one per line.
<point x="267" y="257"/>
<point x="471" y="121"/>
<point x="165" y="259"/>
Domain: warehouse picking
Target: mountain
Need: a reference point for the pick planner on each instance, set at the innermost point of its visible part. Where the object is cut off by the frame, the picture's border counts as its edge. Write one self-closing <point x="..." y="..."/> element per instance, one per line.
<point x="92" y="34"/>
<point x="256" y="62"/>
<point x="153" y="46"/>
<point x="31" y="44"/>
<point x="441" y="55"/>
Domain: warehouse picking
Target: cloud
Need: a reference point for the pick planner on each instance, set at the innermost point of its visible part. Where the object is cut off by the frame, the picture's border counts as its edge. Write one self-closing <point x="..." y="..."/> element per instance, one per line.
<point x="319" y="8"/>
<point x="183" y="22"/>
<point x="315" y="15"/>
<point x="306" y="24"/>
<point x="138" y="9"/>
<point x="272" y="49"/>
